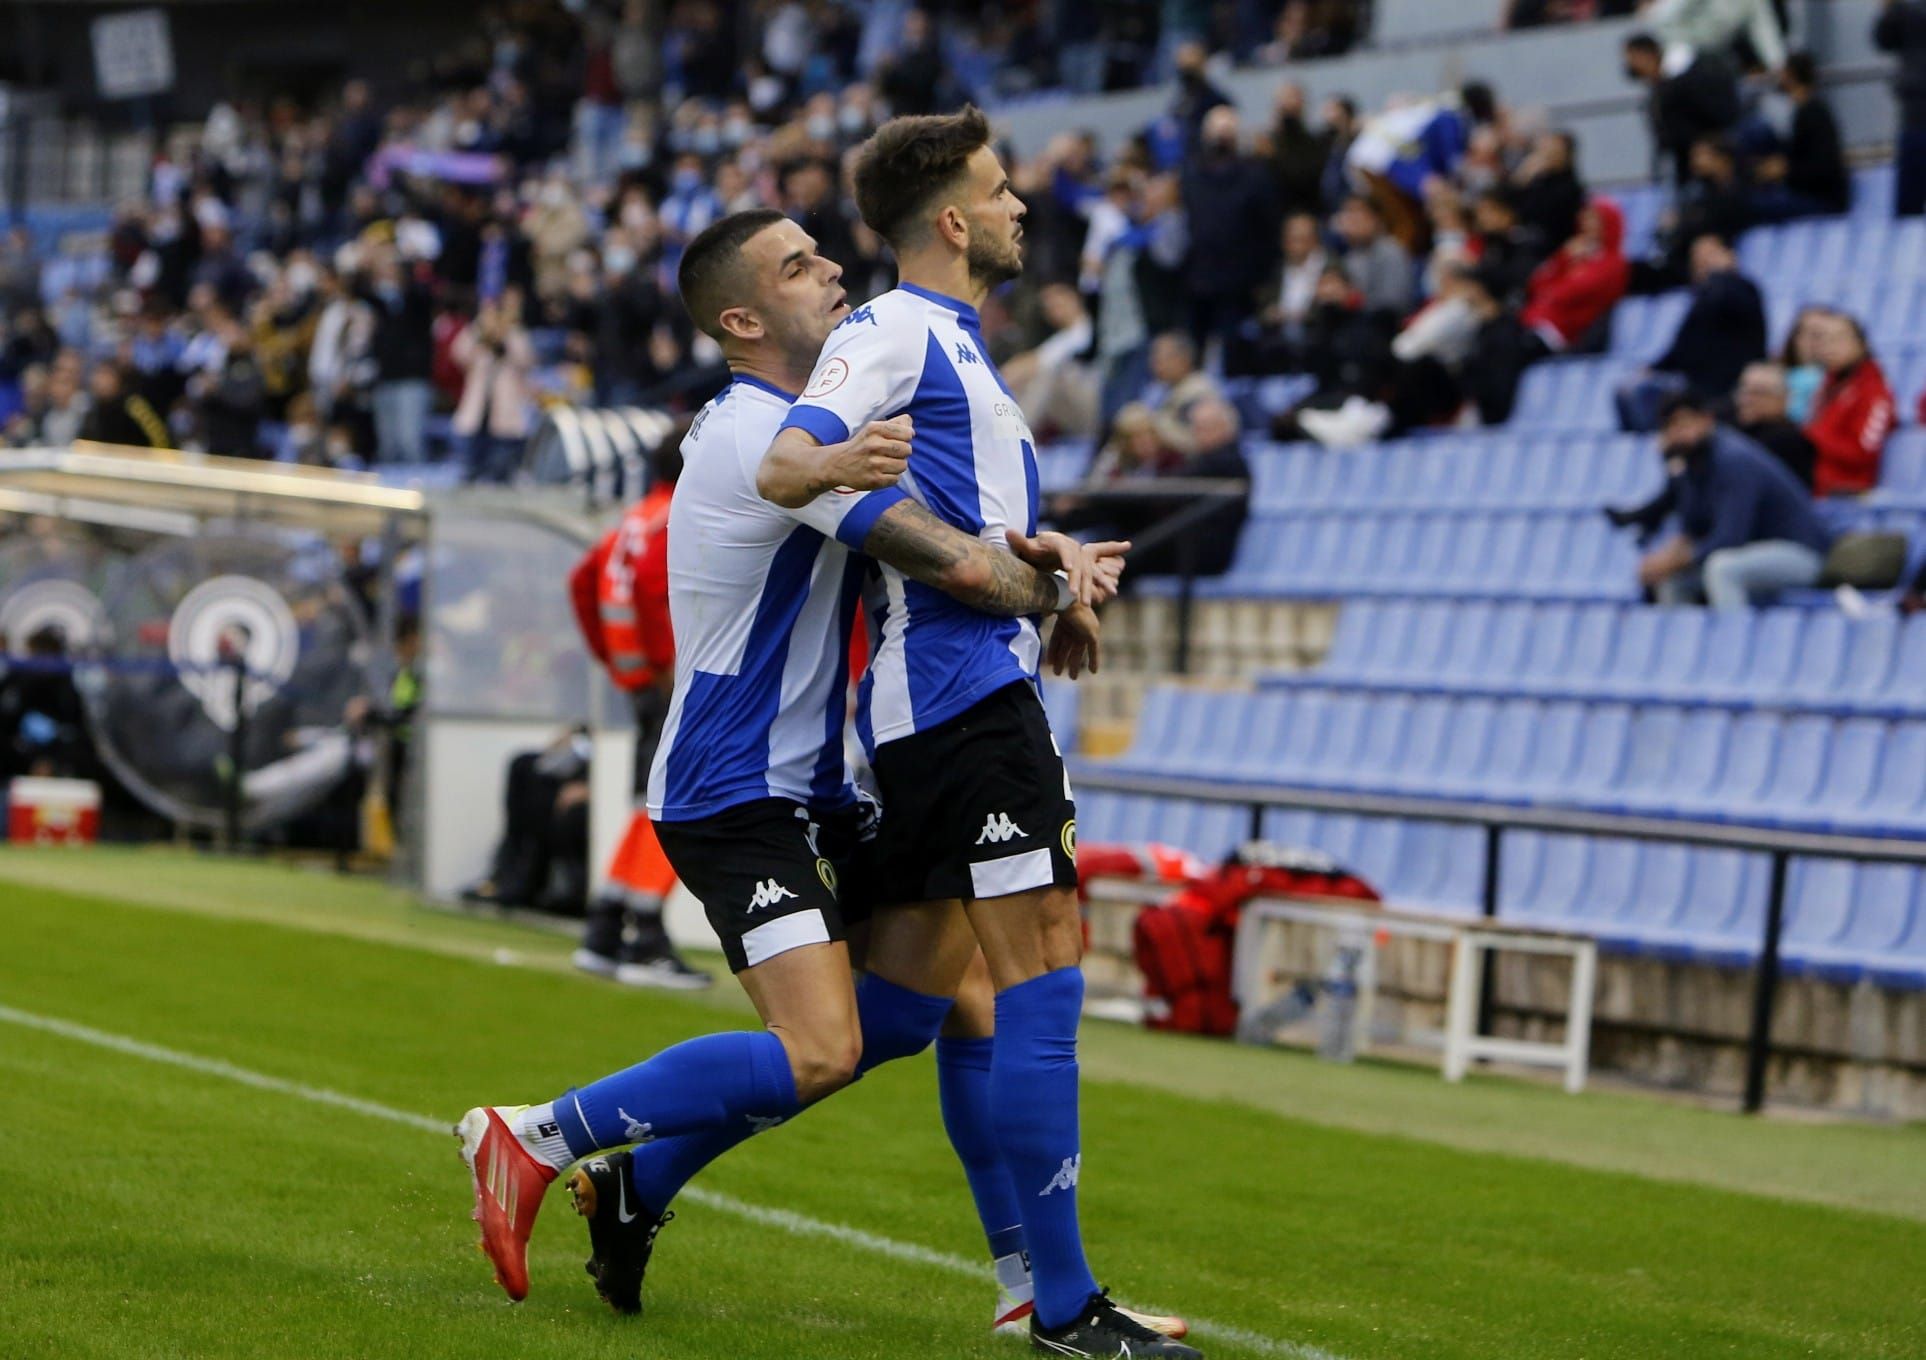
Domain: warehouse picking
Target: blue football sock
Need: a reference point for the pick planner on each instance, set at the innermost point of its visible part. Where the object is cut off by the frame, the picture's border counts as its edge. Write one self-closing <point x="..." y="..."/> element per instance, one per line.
<point x="897" y="1023"/>
<point x="735" y="1080"/>
<point x="963" y="1084"/>
<point x="1033" y="1093"/>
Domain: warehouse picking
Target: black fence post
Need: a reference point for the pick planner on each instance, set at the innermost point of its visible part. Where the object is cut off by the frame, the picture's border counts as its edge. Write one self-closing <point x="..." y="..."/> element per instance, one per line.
<point x="1758" y="1051"/>
<point x="1186" y="590"/>
<point x="1488" y="982"/>
<point x="236" y="757"/>
<point x="1257" y="822"/>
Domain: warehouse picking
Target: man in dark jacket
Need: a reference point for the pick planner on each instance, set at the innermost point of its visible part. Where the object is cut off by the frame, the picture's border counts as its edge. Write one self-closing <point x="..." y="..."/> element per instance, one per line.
<point x="1298" y="153"/>
<point x="1808" y="176"/>
<point x="1233" y="229"/>
<point x="1748" y="529"/>
<point x="1759" y="405"/>
<point x="1694" y="95"/>
<point x="1549" y="191"/>
<point x="403" y="352"/>
<point x="1722" y="332"/>
<point x="1901" y="30"/>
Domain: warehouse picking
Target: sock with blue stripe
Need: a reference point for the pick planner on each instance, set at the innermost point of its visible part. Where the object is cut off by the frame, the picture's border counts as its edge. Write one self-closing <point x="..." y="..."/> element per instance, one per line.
<point x="737" y="1081"/>
<point x="897" y="1023"/>
<point x="963" y="1085"/>
<point x="1033" y="1093"/>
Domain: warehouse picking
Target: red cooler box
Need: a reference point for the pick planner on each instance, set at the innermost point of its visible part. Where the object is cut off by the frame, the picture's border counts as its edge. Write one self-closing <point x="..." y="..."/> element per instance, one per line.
<point x="53" y="811"/>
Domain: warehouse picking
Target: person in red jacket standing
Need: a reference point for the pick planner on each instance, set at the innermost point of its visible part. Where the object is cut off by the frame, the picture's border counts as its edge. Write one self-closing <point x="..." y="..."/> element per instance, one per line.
<point x="1853" y="415"/>
<point x="624" y="937"/>
<point x="1570" y="294"/>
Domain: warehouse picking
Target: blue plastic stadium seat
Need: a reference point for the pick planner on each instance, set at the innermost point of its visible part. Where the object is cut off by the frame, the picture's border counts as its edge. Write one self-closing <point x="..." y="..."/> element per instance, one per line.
<point x="1561" y="727"/>
<point x="1734" y="641"/>
<point x="1866" y="667"/>
<point x="1724" y="921"/>
<point x="1903" y="962"/>
<point x="1897" y="804"/>
<point x="1647" y="771"/>
<point x="1472" y="635"/>
<point x="1879" y="906"/>
<point x="1872" y="192"/>
<point x="1602" y="743"/>
<point x="1659" y="900"/>
<point x="1780" y="640"/>
<point x="1819" y="904"/>
<point x="1156" y="722"/>
<point x="1379" y="753"/>
<point x="1693" y="772"/>
<point x="1902" y="478"/>
<point x="1506" y="771"/>
<point x="1548" y="641"/>
<point x="1676" y="655"/>
<point x="1852" y="769"/>
<point x="1384" y="653"/>
<point x="1798" y="766"/>
<point x="1634" y="657"/>
<point x="1442" y="867"/>
<point x="1542" y="878"/>
<point x="1595" y="631"/>
<point x="1905" y="688"/>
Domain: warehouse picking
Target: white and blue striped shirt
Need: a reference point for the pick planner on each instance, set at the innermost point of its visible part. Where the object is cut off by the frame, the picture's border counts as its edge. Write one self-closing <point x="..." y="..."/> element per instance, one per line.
<point x="973" y="464"/>
<point x="762" y="600"/>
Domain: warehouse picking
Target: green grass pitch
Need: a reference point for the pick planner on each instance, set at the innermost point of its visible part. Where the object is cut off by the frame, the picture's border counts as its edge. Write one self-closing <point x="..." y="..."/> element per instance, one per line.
<point x="175" y="1186"/>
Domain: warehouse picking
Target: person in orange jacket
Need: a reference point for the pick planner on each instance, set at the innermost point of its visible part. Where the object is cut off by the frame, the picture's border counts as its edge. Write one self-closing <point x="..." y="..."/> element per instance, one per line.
<point x="1853" y="415"/>
<point x="624" y="937"/>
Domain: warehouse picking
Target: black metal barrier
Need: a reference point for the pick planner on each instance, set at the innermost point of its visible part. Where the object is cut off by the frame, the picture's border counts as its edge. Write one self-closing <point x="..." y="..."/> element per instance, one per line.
<point x="1781" y="846"/>
<point x="1194" y="499"/>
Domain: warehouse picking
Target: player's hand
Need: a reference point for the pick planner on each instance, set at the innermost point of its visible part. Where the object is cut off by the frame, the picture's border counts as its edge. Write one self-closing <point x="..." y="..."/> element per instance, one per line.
<point x="1073" y="642"/>
<point x="1092" y="569"/>
<point x="875" y="456"/>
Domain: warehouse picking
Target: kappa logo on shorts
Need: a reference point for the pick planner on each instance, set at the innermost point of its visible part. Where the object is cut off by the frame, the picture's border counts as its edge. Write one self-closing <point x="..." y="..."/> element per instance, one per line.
<point x="998" y="829"/>
<point x="767" y="894"/>
<point x="1066" y="1177"/>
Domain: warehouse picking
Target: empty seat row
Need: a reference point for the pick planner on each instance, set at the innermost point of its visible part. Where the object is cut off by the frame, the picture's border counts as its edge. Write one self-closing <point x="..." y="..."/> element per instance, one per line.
<point x="1801" y="771"/>
<point x="1570" y="394"/>
<point x="1559" y="555"/>
<point x="1843" y="921"/>
<point x="1495" y="471"/>
<point x="1820" y="250"/>
<point x="1782" y="658"/>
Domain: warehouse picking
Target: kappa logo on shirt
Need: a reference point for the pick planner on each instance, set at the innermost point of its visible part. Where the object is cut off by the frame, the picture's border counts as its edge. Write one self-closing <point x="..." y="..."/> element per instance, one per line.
<point x="966" y="355"/>
<point x="767" y="894"/>
<point x="860" y="315"/>
<point x="998" y="829"/>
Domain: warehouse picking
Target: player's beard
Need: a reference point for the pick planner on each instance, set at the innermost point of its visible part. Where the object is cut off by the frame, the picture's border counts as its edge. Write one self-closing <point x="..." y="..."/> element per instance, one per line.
<point x="991" y="263"/>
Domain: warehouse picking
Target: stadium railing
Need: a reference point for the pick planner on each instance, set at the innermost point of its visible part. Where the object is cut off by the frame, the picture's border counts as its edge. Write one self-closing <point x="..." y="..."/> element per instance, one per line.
<point x="1192" y="500"/>
<point x="1779" y="846"/>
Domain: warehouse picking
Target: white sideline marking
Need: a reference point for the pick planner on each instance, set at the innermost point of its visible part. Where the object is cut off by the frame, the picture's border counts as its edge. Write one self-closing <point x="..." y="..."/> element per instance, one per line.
<point x="797" y="1225"/>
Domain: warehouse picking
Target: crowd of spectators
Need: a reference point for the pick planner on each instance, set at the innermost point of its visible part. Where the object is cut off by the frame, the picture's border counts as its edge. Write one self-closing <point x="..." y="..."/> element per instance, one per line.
<point x="391" y="275"/>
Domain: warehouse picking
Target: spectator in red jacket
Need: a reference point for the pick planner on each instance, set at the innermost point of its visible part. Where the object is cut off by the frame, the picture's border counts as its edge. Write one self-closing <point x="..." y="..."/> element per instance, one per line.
<point x="1853" y="415"/>
<point x="1570" y="294"/>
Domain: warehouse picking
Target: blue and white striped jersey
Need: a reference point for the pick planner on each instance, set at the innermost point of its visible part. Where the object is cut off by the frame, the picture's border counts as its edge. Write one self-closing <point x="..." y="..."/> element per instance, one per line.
<point x="973" y="463"/>
<point x="762" y="600"/>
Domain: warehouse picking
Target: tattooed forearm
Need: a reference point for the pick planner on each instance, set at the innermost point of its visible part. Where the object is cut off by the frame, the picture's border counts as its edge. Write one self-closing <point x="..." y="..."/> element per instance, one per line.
<point x="925" y="549"/>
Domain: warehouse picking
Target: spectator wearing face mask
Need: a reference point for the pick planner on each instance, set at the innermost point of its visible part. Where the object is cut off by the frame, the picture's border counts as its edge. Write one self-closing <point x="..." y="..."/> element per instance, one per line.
<point x="1232" y="211"/>
<point x="496" y="358"/>
<point x="1748" y="530"/>
<point x="1693" y="95"/>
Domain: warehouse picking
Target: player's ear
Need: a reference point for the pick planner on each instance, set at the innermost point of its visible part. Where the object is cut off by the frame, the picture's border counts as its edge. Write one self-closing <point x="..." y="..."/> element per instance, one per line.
<point x="953" y="226"/>
<point x="740" y="323"/>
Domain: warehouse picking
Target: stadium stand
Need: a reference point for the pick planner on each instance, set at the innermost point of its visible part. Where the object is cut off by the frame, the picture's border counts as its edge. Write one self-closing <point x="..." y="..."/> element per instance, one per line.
<point x="1490" y="648"/>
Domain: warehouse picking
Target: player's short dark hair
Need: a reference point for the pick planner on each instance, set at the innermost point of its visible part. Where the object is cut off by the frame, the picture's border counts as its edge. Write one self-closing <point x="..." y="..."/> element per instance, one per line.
<point x="909" y="162"/>
<point x="1643" y="42"/>
<point x="711" y="278"/>
<point x="1803" y="69"/>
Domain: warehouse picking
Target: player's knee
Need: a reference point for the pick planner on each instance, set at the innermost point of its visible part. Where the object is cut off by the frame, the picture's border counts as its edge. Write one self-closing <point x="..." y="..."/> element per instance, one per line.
<point x="825" y="1064"/>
